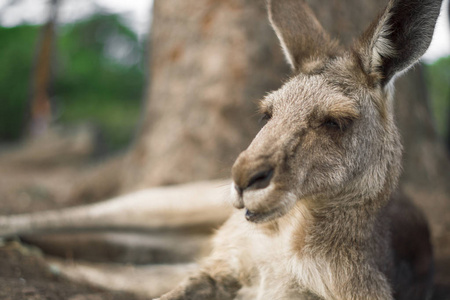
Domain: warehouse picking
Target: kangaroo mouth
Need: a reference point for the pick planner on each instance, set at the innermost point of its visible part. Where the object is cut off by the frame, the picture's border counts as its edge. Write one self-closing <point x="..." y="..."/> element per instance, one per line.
<point x="261" y="217"/>
<point x="264" y="205"/>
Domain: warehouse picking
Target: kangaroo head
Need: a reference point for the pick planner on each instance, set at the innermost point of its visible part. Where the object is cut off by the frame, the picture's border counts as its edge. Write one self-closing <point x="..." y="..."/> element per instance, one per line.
<point x="330" y="136"/>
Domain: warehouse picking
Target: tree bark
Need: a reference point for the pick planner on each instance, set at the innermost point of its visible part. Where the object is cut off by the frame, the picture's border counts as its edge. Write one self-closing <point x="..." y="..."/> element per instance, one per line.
<point x="40" y="109"/>
<point x="210" y="62"/>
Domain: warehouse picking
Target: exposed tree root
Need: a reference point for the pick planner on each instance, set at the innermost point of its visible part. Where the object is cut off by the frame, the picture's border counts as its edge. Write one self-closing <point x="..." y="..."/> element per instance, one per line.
<point x="194" y="206"/>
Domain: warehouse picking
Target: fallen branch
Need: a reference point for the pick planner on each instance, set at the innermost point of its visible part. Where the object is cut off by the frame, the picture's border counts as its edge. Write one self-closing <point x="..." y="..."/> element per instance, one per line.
<point x="200" y="205"/>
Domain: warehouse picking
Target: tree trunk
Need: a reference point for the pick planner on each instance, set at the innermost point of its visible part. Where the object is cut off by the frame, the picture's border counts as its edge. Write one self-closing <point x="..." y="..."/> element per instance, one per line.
<point x="40" y="109"/>
<point x="211" y="60"/>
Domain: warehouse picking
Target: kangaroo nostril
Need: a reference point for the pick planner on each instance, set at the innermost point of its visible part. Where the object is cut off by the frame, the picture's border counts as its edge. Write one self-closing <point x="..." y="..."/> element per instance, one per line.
<point x="261" y="179"/>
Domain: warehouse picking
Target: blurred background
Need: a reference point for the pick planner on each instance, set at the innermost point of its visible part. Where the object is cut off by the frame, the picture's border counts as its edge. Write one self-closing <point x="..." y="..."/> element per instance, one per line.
<point x="86" y="62"/>
<point x="100" y="98"/>
<point x="72" y="62"/>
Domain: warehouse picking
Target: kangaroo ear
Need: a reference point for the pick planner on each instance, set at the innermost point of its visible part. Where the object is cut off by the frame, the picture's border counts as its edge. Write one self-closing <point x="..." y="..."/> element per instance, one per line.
<point x="300" y="33"/>
<point x="398" y="38"/>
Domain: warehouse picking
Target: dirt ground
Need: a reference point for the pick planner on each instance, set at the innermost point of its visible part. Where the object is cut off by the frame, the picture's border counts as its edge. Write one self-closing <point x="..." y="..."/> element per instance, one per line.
<point x="25" y="275"/>
<point x="31" y="179"/>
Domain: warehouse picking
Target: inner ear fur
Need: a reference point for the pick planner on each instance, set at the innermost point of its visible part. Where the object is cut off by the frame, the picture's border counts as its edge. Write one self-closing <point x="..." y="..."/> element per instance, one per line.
<point x="398" y="37"/>
<point x="301" y="35"/>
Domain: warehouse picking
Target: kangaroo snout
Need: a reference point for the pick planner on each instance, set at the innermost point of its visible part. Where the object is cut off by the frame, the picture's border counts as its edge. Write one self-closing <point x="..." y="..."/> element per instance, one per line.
<point x="251" y="172"/>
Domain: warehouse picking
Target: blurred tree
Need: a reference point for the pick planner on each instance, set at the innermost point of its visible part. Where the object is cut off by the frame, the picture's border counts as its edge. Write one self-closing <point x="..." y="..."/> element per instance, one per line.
<point x="16" y="59"/>
<point x="448" y="97"/>
<point x="438" y="79"/>
<point x="98" y="77"/>
<point x="210" y="62"/>
<point x="40" y="107"/>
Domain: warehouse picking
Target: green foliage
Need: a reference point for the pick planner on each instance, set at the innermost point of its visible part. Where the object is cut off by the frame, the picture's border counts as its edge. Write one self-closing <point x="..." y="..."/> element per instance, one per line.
<point x="98" y="77"/>
<point x="16" y="57"/>
<point x="438" y="81"/>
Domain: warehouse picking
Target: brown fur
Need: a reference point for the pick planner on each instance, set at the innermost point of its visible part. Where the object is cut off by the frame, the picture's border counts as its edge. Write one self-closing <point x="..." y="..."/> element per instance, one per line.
<point x="316" y="180"/>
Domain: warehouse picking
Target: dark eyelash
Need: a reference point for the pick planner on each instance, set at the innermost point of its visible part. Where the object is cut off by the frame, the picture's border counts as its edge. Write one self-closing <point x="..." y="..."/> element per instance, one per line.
<point x="340" y="124"/>
<point x="331" y="123"/>
<point x="265" y="117"/>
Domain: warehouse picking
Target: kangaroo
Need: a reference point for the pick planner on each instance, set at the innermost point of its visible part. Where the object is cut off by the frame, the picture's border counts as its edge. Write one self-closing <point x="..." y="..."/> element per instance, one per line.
<point x="315" y="217"/>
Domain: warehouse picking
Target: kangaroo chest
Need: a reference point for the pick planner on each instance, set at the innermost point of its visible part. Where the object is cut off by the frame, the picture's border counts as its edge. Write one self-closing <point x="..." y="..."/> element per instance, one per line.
<point x="276" y="266"/>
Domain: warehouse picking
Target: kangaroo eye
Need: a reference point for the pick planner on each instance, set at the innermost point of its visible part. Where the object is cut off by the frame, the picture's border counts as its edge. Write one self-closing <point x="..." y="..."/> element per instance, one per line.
<point x="331" y="124"/>
<point x="340" y="124"/>
<point x="265" y="117"/>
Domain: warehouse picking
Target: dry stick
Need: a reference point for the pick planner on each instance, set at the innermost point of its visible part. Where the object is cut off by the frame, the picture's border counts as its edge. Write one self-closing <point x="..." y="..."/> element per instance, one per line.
<point x="200" y="204"/>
